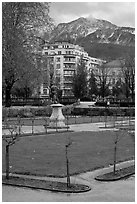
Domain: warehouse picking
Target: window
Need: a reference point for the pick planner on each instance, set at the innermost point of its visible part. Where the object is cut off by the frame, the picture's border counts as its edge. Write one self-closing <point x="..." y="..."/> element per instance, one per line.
<point x="58" y="59"/>
<point x="113" y="81"/>
<point x="59" y="52"/>
<point x="69" y="72"/>
<point x="65" y="46"/>
<point x="69" y="52"/>
<point x="58" y="66"/>
<point x="58" y="72"/>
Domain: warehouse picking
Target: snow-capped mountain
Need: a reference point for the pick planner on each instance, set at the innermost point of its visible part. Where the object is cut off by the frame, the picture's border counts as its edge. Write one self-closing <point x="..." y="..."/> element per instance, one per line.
<point x="90" y="31"/>
<point x="80" y="27"/>
<point x="97" y="30"/>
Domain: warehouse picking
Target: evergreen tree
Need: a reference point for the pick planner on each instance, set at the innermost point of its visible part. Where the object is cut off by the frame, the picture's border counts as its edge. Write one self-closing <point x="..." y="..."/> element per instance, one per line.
<point x="79" y="81"/>
<point x="93" y="89"/>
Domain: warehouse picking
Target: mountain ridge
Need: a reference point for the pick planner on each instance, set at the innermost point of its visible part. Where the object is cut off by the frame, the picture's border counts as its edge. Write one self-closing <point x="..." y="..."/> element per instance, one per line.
<point x="83" y="31"/>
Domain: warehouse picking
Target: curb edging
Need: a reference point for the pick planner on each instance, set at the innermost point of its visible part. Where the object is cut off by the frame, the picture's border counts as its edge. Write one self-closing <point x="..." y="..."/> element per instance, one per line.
<point x="49" y="189"/>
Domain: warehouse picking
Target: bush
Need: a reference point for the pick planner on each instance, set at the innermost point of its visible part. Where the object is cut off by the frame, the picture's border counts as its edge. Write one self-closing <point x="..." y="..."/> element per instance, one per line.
<point x="101" y="111"/>
<point x="26" y="111"/>
<point x="100" y="103"/>
<point x="116" y="104"/>
<point x="43" y="111"/>
<point x="67" y="110"/>
<point x="85" y="99"/>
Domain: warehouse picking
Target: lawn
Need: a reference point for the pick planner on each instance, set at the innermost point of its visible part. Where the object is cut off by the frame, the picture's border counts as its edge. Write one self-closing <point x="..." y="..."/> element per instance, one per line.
<point x="45" y="155"/>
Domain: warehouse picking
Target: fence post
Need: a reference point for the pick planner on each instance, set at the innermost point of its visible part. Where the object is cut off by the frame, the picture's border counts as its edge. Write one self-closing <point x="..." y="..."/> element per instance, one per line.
<point x="19" y="123"/>
<point x="67" y="164"/>
<point x="114" y="119"/>
<point x="67" y="122"/>
<point x="105" y="117"/>
<point x="7" y="161"/>
<point x="32" y="126"/>
<point x="75" y="118"/>
<point x="56" y="124"/>
<point x="46" y="125"/>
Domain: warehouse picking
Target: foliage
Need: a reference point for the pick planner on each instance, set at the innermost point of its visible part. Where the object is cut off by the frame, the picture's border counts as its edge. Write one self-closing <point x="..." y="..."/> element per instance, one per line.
<point x="106" y="51"/>
<point x="79" y="83"/>
<point x="23" y="92"/>
<point x="103" y="81"/>
<point x="93" y="89"/>
<point x="128" y="71"/>
<point x="22" y="27"/>
<point x="26" y="111"/>
<point x="117" y="90"/>
<point x="101" y="111"/>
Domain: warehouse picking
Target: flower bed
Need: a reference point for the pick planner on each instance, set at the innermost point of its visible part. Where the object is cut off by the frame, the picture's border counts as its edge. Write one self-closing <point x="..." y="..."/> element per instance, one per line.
<point x="45" y="185"/>
<point x="119" y="174"/>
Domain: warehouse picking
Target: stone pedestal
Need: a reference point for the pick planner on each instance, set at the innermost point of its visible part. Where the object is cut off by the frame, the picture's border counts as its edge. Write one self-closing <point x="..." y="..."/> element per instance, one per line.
<point x="57" y="119"/>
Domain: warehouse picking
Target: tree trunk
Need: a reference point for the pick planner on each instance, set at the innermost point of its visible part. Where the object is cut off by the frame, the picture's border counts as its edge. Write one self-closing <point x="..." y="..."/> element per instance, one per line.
<point x="7" y="161"/>
<point x="67" y="163"/>
<point x="132" y="93"/>
<point x="8" y="96"/>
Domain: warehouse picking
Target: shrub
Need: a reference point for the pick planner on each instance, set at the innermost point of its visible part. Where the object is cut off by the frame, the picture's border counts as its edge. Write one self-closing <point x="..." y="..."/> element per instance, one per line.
<point x="101" y="111"/>
<point x="26" y="111"/>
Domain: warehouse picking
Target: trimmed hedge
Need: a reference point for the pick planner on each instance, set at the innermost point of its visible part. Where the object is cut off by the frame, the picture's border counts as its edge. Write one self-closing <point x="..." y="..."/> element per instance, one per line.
<point x="67" y="110"/>
<point x="96" y="111"/>
<point x="26" y="111"/>
<point x="116" y="104"/>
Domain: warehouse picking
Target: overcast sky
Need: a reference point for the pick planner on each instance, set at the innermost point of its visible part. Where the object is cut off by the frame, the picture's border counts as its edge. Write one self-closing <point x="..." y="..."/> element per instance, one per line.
<point x="119" y="13"/>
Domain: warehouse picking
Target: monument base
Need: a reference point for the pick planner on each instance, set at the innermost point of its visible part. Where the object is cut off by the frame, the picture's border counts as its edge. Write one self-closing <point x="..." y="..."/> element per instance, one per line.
<point x="64" y="128"/>
<point x="58" y="124"/>
<point x="57" y="120"/>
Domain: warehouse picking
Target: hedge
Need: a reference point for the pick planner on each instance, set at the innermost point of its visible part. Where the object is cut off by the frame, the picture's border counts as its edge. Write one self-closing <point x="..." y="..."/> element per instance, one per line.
<point x="26" y="111"/>
<point x="101" y="111"/>
<point x="67" y="110"/>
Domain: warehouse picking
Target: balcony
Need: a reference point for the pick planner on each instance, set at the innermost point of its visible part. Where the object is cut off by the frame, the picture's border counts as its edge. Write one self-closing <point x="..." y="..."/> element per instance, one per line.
<point x="73" y="55"/>
<point x="69" y="60"/>
<point x="67" y="74"/>
<point x="67" y="82"/>
<point x="69" y="68"/>
<point x="67" y="88"/>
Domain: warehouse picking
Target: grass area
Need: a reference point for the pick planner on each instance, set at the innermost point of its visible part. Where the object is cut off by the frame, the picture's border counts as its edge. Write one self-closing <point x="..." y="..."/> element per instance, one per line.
<point x="45" y="155"/>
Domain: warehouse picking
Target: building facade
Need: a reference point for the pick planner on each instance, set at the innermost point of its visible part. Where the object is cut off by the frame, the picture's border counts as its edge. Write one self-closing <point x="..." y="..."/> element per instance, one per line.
<point x="62" y="61"/>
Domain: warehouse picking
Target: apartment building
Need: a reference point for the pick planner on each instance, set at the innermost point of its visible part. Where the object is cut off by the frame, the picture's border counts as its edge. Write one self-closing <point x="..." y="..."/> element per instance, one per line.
<point x="62" y="60"/>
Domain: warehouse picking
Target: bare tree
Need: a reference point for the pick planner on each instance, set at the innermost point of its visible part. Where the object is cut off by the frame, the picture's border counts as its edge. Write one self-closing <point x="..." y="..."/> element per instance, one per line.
<point x="116" y="140"/>
<point x="10" y="140"/>
<point x="69" y="142"/>
<point x="119" y="133"/>
<point x="103" y="79"/>
<point x="128" y="72"/>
